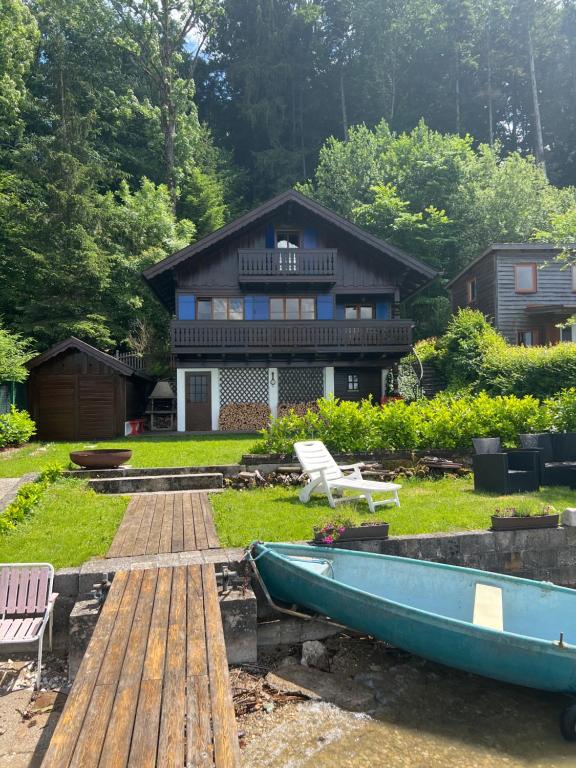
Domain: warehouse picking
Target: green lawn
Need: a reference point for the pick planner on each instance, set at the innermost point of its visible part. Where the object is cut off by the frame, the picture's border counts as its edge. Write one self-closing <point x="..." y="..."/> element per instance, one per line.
<point x="147" y="451"/>
<point x="70" y="525"/>
<point x="276" y="514"/>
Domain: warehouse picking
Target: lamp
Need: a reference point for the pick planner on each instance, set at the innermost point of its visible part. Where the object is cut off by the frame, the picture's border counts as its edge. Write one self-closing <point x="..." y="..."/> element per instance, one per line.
<point x="273" y="378"/>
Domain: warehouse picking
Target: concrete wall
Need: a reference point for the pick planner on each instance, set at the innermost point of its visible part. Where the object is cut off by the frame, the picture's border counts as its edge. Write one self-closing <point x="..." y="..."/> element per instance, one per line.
<point x="548" y="554"/>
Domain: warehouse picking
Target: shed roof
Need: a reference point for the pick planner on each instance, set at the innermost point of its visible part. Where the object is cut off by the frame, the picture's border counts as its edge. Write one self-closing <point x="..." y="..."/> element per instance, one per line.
<point x="73" y="343"/>
<point x="160" y="275"/>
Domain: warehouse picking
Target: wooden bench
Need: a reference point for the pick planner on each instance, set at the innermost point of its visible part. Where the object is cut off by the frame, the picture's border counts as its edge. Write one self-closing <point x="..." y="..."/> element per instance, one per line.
<point x="153" y="687"/>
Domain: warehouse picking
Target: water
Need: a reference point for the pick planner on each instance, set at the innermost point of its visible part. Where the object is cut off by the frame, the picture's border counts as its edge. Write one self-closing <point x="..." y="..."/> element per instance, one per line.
<point x="422" y="716"/>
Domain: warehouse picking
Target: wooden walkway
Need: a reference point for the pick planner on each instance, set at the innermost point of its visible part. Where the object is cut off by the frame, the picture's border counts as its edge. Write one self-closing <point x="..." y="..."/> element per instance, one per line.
<point x="153" y="688"/>
<point x="157" y="523"/>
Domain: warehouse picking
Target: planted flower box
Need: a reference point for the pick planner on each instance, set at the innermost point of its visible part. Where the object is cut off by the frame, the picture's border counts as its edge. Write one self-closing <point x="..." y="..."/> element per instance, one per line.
<point x="516" y="519"/>
<point x="330" y="535"/>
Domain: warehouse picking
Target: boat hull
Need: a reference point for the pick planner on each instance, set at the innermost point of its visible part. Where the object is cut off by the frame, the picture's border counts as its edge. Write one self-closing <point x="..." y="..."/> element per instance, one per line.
<point x="510" y="657"/>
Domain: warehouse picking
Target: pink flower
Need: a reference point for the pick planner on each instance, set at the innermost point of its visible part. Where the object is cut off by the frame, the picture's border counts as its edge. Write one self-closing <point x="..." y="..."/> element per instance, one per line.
<point x="341" y="529"/>
<point x="329" y="540"/>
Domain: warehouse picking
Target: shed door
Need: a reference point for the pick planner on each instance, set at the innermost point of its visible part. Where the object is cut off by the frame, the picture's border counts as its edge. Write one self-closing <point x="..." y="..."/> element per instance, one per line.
<point x="96" y="411"/>
<point x="55" y="406"/>
<point x="198" y="402"/>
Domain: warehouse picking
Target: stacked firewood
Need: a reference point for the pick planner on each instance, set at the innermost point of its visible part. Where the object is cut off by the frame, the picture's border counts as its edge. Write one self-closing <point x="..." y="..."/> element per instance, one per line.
<point x="244" y="417"/>
<point x="300" y="409"/>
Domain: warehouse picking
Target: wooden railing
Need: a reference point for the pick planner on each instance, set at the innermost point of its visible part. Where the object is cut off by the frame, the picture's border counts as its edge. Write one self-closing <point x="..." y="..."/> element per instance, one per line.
<point x="286" y="263"/>
<point x="196" y="336"/>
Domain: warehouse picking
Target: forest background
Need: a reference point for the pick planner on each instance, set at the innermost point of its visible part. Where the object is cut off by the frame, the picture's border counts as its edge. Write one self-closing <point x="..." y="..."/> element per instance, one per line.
<point x="130" y="128"/>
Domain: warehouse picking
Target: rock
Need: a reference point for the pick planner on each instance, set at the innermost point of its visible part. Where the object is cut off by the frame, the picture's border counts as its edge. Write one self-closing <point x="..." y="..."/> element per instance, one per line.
<point x="314" y="654"/>
<point x="323" y="686"/>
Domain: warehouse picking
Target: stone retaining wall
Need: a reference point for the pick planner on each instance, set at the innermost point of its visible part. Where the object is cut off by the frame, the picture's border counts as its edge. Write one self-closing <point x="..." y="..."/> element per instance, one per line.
<point x="548" y="554"/>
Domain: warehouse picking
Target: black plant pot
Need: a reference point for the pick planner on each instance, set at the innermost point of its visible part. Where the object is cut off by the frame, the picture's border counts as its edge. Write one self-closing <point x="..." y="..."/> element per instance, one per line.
<point x="358" y="533"/>
<point x="522" y="523"/>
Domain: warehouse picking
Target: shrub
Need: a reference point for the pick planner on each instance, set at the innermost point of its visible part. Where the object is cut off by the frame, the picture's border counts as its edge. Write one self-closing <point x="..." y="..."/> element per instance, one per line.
<point x="561" y="411"/>
<point x="448" y="421"/>
<point x="540" y="371"/>
<point x="16" y="427"/>
<point x="27" y="498"/>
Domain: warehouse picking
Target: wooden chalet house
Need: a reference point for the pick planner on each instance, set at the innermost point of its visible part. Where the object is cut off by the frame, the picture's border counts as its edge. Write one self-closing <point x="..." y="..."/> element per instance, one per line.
<point x="522" y="290"/>
<point x="285" y="304"/>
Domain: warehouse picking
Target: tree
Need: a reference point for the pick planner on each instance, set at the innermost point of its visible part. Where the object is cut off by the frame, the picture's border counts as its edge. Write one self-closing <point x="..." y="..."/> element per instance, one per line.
<point x="15" y="351"/>
<point x="18" y="36"/>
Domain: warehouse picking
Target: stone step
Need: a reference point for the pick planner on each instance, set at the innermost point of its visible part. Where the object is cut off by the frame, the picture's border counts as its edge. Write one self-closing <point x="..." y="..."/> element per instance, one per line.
<point x="228" y="470"/>
<point x="154" y="483"/>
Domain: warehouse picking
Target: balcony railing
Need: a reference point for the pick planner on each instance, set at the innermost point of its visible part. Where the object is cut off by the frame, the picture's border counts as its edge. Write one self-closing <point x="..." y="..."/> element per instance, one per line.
<point x="282" y="264"/>
<point x="275" y="336"/>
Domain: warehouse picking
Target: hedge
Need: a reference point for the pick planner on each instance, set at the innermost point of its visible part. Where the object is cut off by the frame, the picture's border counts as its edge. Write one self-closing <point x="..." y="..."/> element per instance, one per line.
<point x="27" y="498"/>
<point x="444" y="422"/>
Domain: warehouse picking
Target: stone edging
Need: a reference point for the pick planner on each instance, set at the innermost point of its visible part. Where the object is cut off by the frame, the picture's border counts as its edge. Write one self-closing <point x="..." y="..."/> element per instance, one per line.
<point x="9" y="497"/>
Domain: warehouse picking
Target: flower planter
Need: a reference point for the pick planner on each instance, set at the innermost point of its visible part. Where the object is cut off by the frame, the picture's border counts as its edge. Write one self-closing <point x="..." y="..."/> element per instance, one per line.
<point x="358" y="533"/>
<point x="101" y="458"/>
<point x="518" y="523"/>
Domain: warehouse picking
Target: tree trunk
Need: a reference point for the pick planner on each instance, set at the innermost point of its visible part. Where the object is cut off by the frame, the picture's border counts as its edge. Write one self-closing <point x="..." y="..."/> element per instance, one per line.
<point x="539" y="142"/>
<point x="343" y="104"/>
<point x="457" y="89"/>
<point x="168" y="107"/>
<point x="489" y="78"/>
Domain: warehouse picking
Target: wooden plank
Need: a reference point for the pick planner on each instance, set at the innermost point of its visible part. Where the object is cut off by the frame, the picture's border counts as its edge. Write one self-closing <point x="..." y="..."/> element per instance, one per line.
<point x="147" y="721"/>
<point x="146" y="517"/>
<point x="127" y="525"/>
<point x="66" y="733"/>
<point x="199" y="525"/>
<point x="225" y="733"/>
<point x="93" y="731"/>
<point x="188" y="521"/>
<point x="165" y="543"/>
<point x="178" y="524"/>
<point x="171" y="741"/>
<point x="212" y="536"/>
<point x="199" y="746"/>
<point x="117" y="743"/>
<point x="153" y="544"/>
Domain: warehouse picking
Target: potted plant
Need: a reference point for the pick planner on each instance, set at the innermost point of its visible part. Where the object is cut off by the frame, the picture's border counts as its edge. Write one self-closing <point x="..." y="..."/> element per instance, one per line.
<point x="335" y="532"/>
<point x="515" y="518"/>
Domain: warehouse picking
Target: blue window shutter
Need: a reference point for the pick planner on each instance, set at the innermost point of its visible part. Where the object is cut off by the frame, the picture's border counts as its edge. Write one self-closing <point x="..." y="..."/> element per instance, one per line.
<point x="186" y="306"/>
<point x="325" y="307"/>
<point x="340" y="312"/>
<point x="270" y="239"/>
<point x="310" y="238"/>
<point x="261" y="309"/>
<point x="382" y="310"/>
<point x="248" y="307"/>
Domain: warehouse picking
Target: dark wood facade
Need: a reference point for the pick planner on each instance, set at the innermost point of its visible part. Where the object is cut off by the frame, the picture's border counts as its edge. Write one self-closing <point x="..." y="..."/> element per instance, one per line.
<point x="76" y="392"/>
<point x="524" y="316"/>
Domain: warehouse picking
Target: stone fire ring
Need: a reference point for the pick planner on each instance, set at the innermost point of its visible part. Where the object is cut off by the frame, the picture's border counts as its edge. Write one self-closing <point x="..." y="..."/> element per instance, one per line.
<point x="101" y="458"/>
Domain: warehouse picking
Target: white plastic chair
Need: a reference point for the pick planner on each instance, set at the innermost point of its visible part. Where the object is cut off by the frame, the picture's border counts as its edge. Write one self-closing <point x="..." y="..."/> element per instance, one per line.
<point x="327" y="477"/>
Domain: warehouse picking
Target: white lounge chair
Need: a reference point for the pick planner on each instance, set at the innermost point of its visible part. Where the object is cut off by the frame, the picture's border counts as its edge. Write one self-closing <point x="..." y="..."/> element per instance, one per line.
<point x="327" y="477"/>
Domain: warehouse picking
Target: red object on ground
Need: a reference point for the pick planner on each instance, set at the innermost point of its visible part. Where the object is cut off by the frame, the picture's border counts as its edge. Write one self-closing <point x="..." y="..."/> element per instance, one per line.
<point x="390" y="399"/>
<point x="136" y="427"/>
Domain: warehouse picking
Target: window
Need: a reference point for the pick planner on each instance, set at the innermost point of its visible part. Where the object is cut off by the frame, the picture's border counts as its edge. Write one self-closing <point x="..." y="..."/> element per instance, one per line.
<point x="292" y="308"/>
<point x="528" y="338"/>
<point x="353" y="383"/>
<point x="359" y="312"/>
<point x="566" y="333"/>
<point x="471" y="291"/>
<point x="198" y="389"/>
<point x="221" y="309"/>
<point x="287" y="238"/>
<point x="525" y="278"/>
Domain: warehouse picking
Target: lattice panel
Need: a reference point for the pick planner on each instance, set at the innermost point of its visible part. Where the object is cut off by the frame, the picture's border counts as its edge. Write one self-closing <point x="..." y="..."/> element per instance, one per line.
<point x="4" y="399"/>
<point x="243" y="385"/>
<point x="300" y="385"/>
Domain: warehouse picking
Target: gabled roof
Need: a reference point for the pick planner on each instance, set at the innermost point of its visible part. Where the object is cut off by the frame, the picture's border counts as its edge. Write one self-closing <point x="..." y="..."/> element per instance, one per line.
<point x="506" y="247"/>
<point x="159" y="276"/>
<point x="88" y="349"/>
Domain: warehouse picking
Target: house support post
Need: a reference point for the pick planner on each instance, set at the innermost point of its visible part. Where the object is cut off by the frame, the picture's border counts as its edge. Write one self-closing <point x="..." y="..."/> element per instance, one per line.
<point x="328" y="381"/>
<point x="273" y="391"/>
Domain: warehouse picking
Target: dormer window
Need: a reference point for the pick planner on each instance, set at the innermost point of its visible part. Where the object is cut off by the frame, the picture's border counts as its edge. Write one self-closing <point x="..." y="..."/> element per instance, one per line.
<point x="287" y="238"/>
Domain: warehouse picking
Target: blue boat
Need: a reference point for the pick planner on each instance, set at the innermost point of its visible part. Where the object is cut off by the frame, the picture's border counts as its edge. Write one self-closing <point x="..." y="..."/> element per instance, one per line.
<point x="507" y="628"/>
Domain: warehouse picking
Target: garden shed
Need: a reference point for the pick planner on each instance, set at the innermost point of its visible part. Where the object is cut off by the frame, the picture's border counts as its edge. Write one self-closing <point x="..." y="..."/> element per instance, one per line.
<point x="77" y="392"/>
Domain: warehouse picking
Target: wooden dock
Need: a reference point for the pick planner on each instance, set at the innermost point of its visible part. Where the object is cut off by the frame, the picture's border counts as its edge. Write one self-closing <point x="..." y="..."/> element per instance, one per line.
<point x="157" y="523"/>
<point x="153" y="687"/>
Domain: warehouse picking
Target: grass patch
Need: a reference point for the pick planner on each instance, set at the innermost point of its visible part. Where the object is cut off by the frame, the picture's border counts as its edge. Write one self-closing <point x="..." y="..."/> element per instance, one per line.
<point x="147" y="451"/>
<point x="70" y="524"/>
<point x="428" y="506"/>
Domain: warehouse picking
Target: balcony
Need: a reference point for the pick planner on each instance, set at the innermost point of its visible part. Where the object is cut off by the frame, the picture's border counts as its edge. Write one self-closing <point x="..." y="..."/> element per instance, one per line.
<point x="315" y="336"/>
<point x="282" y="265"/>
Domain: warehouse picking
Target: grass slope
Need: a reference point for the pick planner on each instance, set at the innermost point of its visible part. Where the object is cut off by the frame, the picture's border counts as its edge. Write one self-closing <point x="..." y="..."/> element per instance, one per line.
<point x="147" y="451"/>
<point x="70" y="525"/>
<point x="428" y="506"/>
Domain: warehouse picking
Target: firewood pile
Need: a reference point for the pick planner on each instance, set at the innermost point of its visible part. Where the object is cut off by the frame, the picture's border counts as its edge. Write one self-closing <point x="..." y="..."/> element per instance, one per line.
<point x="300" y="409"/>
<point x="244" y="417"/>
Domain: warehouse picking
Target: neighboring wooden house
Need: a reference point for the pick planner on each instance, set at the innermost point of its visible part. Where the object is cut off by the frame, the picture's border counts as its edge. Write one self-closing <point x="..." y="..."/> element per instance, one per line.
<point x="76" y="392"/>
<point x="283" y="305"/>
<point x="522" y="290"/>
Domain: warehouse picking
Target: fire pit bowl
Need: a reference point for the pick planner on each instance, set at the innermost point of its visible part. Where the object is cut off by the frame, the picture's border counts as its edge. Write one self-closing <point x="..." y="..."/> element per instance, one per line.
<point x="101" y="458"/>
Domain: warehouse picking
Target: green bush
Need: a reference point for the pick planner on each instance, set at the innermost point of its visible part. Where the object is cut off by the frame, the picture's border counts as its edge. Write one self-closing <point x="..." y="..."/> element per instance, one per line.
<point x="16" y="427"/>
<point x="561" y="411"/>
<point x="447" y="422"/>
<point x="27" y="498"/>
<point x="539" y="371"/>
